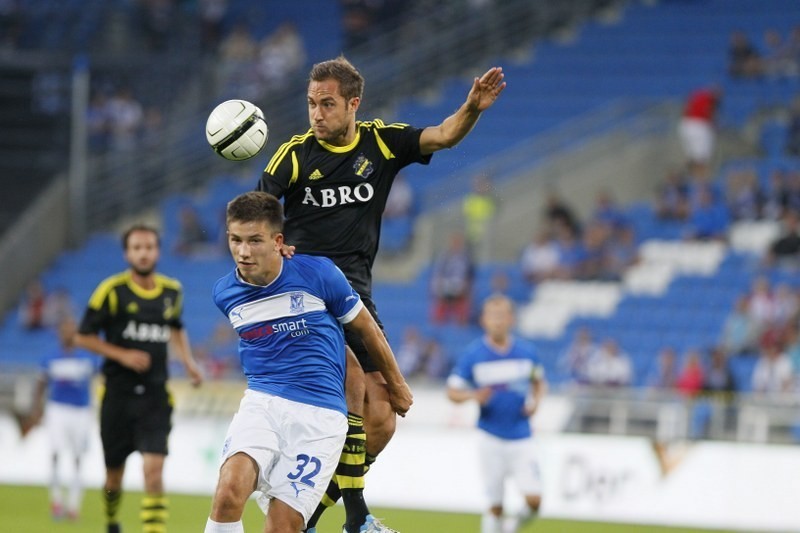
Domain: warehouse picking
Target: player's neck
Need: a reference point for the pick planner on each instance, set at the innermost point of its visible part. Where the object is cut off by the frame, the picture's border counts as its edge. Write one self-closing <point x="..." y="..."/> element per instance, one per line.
<point x="145" y="281"/>
<point x="501" y="343"/>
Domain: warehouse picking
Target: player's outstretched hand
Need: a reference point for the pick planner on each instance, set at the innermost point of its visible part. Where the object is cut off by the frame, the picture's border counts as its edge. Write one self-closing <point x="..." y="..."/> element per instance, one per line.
<point x="486" y="89"/>
<point x="401" y="398"/>
<point x="482" y="395"/>
<point x="137" y="360"/>
<point x="287" y="251"/>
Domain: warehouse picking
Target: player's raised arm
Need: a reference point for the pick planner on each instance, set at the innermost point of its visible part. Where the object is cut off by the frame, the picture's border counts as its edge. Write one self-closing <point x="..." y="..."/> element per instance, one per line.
<point x="381" y="353"/>
<point x="454" y="128"/>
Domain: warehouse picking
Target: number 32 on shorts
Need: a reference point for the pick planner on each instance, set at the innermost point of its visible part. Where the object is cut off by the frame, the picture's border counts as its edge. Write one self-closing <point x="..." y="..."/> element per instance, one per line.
<point x="307" y="468"/>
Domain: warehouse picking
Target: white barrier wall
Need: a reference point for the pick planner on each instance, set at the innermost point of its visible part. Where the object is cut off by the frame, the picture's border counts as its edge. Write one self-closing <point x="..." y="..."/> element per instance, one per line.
<point x="432" y="464"/>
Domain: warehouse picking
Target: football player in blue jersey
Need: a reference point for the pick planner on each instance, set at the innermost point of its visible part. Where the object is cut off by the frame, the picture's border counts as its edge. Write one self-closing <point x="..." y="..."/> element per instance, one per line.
<point x="63" y="399"/>
<point x="504" y="375"/>
<point x="286" y="439"/>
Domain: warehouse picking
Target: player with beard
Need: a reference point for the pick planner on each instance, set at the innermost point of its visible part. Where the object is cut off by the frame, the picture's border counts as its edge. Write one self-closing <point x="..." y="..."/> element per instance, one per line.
<point x="335" y="180"/>
<point x="138" y="311"/>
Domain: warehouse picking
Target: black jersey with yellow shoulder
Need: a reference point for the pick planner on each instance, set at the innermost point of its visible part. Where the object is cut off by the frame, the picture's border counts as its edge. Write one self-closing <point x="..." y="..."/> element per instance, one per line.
<point x="133" y="317"/>
<point x="334" y="196"/>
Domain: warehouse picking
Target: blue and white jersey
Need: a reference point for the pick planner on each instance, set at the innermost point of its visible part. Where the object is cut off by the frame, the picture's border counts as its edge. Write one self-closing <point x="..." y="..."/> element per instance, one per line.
<point x="291" y="338"/>
<point x="69" y="376"/>
<point x="509" y="375"/>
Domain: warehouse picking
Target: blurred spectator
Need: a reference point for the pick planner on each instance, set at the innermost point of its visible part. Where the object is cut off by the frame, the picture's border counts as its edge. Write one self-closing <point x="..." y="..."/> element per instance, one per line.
<point x="786" y="306"/>
<point x="743" y="195"/>
<point x="237" y="52"/>
<point x="451" y="282"/>
<point x="281" y="54"/>
<point x="739" y="333"/>
<point x="358" y="19"/>
<point x="411" y="352"/>
<point x="400" y="202"/>
<point x="772" y="374"/>
<point x="621" y="253"/>
<point x="697" y="129"/>
<point x="778" y="59"/>
<point x="744" y="60"/>
<point x="792" y="348"/>
<point x="665" y="374"/>
<point x="608" y="213"/>
<point x="609" y="366"/>
<point x="212" y="16"/>
<point x="710" y="219"/>
<point x="691" y="377"/>
<point x="125" y="116"/>
<point x="11" y="23"/>
<point x="157" y="21"/>
<point x="435" y="365"/>
<point x="32" y="310"/>
<point x="558" y="214"/>
<point x="719" y="386"/>
<point x="479" y="209"/>
<point x="793" y="128"/>
<point x="571" y="254"/>
<point x="580" y="351"/>
<point x="98" y="123"/>
<point x="539" y="260"/>
<point x="719" y="378"/>
<point x="592" y="262"/>
<point x="192" y="236"/>
<point x="761" y="306"/>
<point x="672" y="201"/>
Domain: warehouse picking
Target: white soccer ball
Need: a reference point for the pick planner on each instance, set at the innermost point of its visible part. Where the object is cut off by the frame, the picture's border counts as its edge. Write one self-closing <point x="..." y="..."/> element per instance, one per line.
<point x="236" y="130"/>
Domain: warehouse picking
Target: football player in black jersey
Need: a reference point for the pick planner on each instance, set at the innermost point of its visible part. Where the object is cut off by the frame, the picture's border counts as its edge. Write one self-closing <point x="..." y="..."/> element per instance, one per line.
<point x="138" y="312"/>
<point x="335" y="179"/>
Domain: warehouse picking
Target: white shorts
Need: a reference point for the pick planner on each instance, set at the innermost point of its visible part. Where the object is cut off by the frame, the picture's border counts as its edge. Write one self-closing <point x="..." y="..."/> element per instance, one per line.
<point x="697" y="139"/>
<point x="68" y="427"/>
<point x="502" y="459"/>
<point x="296" y="446"/>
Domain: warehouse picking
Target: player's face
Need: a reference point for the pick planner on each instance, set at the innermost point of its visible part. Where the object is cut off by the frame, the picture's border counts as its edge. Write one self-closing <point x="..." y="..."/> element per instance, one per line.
<point x="256" y="249"/>
<point x="332" y="117"/>
<point x="142" y="252"/>
<point x="497" y="319"/>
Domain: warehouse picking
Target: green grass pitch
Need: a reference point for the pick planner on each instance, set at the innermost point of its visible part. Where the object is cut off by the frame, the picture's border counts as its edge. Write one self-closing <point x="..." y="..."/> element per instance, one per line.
<point x="26" y="510"/>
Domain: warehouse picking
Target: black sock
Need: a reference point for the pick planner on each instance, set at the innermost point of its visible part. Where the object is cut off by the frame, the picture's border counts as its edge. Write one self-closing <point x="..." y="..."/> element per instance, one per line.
<point x="111" y="500"/>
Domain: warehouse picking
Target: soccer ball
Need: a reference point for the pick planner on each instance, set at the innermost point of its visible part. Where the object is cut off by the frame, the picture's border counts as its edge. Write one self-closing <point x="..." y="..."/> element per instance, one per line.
<point x="236" y="130"/>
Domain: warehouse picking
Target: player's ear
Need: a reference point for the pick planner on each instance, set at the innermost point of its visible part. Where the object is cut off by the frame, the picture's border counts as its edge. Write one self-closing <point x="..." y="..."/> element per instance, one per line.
<point x="354" y="103"/>
<point x="278" y="236"/>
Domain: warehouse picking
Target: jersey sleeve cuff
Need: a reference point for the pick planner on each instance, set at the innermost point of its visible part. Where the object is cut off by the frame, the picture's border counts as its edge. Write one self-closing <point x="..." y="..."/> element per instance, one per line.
<point x="352" y="313"/>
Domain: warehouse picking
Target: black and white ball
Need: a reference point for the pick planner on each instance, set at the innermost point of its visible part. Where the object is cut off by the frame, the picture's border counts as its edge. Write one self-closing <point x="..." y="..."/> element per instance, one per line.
<point x="236" y="130"/>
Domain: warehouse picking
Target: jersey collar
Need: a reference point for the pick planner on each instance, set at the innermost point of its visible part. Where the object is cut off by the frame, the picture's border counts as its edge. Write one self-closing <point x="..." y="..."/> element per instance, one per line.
<point x="342" y="149"/>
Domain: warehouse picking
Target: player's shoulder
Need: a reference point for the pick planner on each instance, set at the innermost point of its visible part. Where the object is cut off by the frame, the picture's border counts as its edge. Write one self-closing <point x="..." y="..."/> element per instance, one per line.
<point x="168" y="282"/>
<point x="526" y="347"/>
<point x="293" y="144"/>
<point x="224" y="283"/>
<point x="112" y="282"/>
<point x="311" y="263"/>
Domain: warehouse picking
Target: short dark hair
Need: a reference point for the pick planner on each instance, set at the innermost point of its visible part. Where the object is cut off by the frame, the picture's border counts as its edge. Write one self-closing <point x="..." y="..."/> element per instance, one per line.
<point x="351" y="83"/>
<point x="256" y="206"/>
<point x="139" y="227"/>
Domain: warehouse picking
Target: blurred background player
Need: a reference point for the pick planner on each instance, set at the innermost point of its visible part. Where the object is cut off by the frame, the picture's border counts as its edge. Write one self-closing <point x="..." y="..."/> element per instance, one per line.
<point x="63" y="398"/>
<point x="286" y="439"/>
<point x="139" y="313"/>
<point x="335" y="180"/>
<point x="505" y="376"/>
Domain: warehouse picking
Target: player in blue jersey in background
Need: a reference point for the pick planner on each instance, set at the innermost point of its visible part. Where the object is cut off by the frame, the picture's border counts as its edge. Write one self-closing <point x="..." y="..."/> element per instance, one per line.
<point x="63" y="398"/>
<point x="504" y="375"/>
<point x="286" y="438"/>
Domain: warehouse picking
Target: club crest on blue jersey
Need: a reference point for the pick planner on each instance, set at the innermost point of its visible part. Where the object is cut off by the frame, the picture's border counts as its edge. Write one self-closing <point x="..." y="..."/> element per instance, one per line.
<point x="363" y="167"/>
<point x="296" y="303"/>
